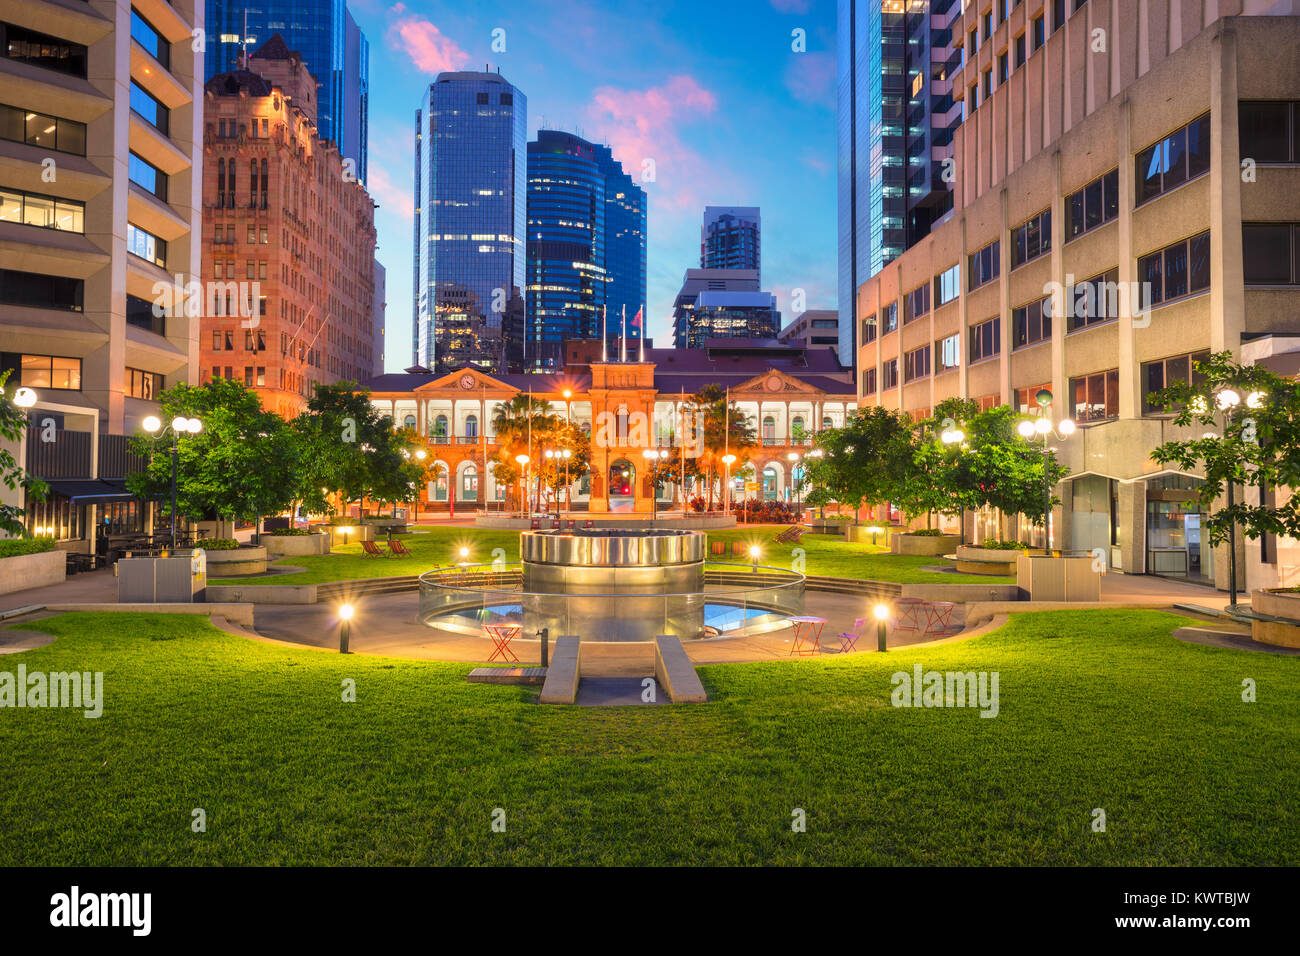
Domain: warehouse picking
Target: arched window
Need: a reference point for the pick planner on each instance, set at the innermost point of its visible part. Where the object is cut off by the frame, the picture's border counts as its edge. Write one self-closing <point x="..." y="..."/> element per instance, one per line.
<point x="469" y="483"/>
<point x="471" y="426"/>
<point x="797" y="428"/>
<point x="769" y="483"/>
<point x="440" y="484"/>
<point x="827" y="422"/>
<point x="769" y="427"/>
<point x="440" y="429"/>
<point x="408" y="421"/>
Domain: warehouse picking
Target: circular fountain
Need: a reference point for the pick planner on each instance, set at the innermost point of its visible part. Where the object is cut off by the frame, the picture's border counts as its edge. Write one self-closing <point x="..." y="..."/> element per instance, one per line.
<point x="613" y="585"/>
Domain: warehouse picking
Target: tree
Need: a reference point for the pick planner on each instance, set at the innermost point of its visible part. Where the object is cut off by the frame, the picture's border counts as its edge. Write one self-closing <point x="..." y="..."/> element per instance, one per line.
<point x="13" y="429"/>
<point x="862" y="460"/>
<point x="931" y="485"/>
<point x="997" y="468"/>
<point x="721" y="430"/>
<point x="348" y="446"/>
<point x="242" y="465"/>
<point x="1255" y="441"/>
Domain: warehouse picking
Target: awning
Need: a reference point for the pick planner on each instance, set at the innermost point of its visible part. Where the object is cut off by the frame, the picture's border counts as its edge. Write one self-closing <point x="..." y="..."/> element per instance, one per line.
<point x="90" y="492"/>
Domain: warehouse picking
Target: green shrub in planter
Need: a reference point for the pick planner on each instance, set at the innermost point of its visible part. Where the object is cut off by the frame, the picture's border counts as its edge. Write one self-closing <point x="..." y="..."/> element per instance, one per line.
<point x="1000" y="545"/>
<point x="925" y="533"/>
<point x="287" y="533"/>
<point x="13" y="547"/>
<point x="218" y="544"/>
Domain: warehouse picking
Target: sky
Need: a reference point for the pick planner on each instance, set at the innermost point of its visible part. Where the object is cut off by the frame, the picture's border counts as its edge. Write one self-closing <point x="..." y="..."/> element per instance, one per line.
<point x="713" y="92"/>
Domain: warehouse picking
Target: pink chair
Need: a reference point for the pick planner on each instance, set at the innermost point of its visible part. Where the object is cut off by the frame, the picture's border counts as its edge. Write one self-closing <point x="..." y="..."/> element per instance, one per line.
<point x="849" y="639"/>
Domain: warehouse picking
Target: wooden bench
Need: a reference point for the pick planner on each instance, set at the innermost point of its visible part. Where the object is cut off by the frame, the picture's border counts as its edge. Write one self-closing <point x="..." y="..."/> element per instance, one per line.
<point x="562" y="673"/>
<point x="675" y="672"/>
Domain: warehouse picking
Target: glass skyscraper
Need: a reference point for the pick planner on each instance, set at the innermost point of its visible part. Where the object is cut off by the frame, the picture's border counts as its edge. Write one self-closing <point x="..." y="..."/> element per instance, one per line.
<point x="331" y="44"/>
<point x="895" y="120"/>
<point x="625" y="245"/>
<point x="731" y="238"/>
<point x="470" y="200"/>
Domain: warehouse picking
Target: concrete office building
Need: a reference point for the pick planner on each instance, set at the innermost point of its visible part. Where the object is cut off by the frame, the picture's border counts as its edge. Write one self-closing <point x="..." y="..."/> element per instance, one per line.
<point x="816" y="328"/>
<point x="99" y="207"/>
<point x="696" y="281"/>
<point x="1084" y="171"/>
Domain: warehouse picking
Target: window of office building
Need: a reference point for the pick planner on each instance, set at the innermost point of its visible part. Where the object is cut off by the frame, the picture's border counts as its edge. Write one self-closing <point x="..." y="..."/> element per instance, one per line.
<point x="1031" y="323"/>
<point x="1181" y="156"/>
<point x="1165" y="372"/>
<point x="985" y="340"/>
<point x="43" y="50"/>
<point x="149" y="108"/>
<point x="51" y="371"/>
<point x="1031" y="239"/>
<point x="147" y="176"/>
<point x="889" y="318"/>
<point x="985" y="265"/>
<point x="889" y="374"/>
<point x="147" y="35"/>
<point x="916" y="364"/>
<point x="146" y="245"/>
<point x="1019" y="44"/>
<point x="1058" y="14"/>
<point x="869" y="381"/>
<point x="1093" y="301"/>
<point x="1095" y="398"/>
<point x="140" y="313"/>
<point x="1036" y="33"/>
<point x="142" y="384"/>
<point x="47" y="212"/>
<point x="41" y="291"/>
<point x="41" y="129"/>
<point x="1094" y="205"/>
<point x="916" y="303"/>
<point x="1177" y="270"/>
<point x="947" y="285"/>
<point x="868" y="331"/>
<point x="1270" y="253"/>
<point x="947" y="353"/>
<point x="1269" y="131"/>
<point x="1025" y="400"/>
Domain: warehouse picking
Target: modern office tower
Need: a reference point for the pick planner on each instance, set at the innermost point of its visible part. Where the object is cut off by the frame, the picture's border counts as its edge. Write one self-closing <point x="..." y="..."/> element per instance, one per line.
<point x="335" y="50"/>
<point x="816" y="328"/>
<point x="1119" y="213"/>
<point x="99" y="212"/>
<point x="470" y="198"/>
<point x="696" y="281"/>
<point x="731" y="238"/>
<point x="566" y="280"/>
<point x="287" y="231"/>
<point x="896" y="113"/>
<point x="732" y="315"/>
<point x="625" y="245"/>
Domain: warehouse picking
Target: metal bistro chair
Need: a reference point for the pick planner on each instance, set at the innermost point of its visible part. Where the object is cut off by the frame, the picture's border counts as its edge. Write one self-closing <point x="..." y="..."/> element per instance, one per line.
<point x="849" y="639"/>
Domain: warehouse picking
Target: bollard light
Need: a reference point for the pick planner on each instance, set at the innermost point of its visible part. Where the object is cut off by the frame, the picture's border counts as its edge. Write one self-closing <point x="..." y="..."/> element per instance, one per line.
<point x="874" y="531"/>
<point x="881" y="613"/>
<point x="345" y="627"/>
<point x="755" y="552"/>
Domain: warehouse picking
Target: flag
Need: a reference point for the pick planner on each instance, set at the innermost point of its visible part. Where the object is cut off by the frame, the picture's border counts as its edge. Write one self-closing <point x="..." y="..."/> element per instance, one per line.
<point x="636" y="320"/>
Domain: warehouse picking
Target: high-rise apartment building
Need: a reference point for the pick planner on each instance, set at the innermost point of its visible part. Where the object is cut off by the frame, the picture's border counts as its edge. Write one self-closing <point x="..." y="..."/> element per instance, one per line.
<point x="1119" y="213"/>
<point x="731" y="238"/>
<point x="335" y="50"/>
<point x="289" y="239"/>
<point x="99" y="212"/>
<point x="469" y="232"/>
<point x="896" y="113"/>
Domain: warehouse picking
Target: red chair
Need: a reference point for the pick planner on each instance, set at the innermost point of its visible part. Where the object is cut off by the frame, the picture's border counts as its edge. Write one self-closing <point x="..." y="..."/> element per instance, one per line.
<point x="588" y="524"/>
<point x="398" y="548"/>
<point x="535" y="525"/>
<point x="370" y="549"/>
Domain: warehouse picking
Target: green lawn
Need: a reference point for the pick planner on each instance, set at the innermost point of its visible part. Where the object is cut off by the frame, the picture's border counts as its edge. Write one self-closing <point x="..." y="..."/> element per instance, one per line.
<point x="1098" y="709"/>
<point x="823" y="555"/>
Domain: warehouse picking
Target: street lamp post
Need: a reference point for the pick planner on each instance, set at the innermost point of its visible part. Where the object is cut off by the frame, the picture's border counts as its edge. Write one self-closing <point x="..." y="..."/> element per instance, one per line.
<point x="180" y="426"/>
<point x="818" y="453"/>
<point x="1044" y="427"/>
<point x="798" y="484"/>
<point x="522" y="462"/>
<point x="653" y="455"/>
<point x="1229" y="402"/>
<point x="727" y="460"/>
<point x="955" y="436"/>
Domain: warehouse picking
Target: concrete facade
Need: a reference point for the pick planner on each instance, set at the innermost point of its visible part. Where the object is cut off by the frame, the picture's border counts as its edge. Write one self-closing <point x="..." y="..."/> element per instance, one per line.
<point x="1114" y="79"/>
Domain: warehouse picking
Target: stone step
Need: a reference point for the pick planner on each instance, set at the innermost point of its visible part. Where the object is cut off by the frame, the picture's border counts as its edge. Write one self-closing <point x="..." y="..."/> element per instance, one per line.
<point x="507" y="675"/>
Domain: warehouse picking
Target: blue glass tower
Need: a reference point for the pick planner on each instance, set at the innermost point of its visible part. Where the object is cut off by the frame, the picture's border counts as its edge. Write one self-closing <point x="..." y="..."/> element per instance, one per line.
<point x="894" y="129"/>
<point x="331" y="44"/>
<point x="470" y="201"/>
<point x="625" y="245"/>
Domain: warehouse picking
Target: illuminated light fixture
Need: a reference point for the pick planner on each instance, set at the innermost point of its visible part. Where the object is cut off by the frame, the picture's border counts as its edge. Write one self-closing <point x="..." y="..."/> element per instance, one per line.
<point x="1227" y="399"/>
<point x="1026" y="428"/>
<point x="1199" y="406"/>
<point x="1256" y="399"/>
<point x="25" y="397"/>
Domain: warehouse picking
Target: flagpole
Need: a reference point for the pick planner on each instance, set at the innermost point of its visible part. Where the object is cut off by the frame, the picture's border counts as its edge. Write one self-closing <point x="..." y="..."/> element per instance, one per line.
<point x="641" y="312"/>
<point x="622" y="342"/>
<point x="604" y="335"/>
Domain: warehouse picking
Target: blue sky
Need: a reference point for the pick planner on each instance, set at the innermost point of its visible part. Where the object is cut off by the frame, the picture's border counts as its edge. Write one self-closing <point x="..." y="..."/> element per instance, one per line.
<point x="711" y="91"/>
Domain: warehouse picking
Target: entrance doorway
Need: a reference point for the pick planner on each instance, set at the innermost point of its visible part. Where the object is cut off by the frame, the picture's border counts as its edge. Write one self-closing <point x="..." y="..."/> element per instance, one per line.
<point x="622" y="485"/>
<point x="1177" y="544"/>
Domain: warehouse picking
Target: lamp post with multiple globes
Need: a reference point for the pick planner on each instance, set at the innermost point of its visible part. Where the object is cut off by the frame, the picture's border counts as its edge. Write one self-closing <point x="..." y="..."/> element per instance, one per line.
<point x="1044" y="427"/>
<point x="180" y="425"/>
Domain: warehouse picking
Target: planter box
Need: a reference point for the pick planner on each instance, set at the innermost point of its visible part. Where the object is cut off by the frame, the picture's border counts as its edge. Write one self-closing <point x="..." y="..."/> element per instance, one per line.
<point x="859" y="534"/>
<point x="826" y="526"/>
<point x="924" y="544"/>
<point x="179" y="578"/>
<point x="236" y="563"/>
<point x="1280" y="605"/>
<point x="1048" y="578"/>
<point x="992" y="561"/>
<point x="25" y="571"/>
<point x="356" y="532"/>
<point x="296" y="544"/>
<point x="391" y="524"/>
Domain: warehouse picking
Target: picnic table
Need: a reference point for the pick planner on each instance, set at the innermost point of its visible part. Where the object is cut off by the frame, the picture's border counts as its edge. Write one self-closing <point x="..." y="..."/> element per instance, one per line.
<point x="807" y="634"/>
<point x="502" y="635"/>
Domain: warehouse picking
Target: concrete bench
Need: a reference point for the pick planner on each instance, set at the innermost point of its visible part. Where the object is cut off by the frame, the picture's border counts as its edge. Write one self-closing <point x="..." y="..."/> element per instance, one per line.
<point x="562" y="674"/>
<point x="675" y="672"/>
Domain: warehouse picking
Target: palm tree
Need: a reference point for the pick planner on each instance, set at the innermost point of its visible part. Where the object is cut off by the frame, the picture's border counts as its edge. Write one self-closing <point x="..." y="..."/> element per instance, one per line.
<point x="726" y="430"/>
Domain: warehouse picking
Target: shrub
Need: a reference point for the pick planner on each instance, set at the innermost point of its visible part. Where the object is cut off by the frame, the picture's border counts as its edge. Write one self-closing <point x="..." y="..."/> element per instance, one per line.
<point x="219" y="544"/>
<point x="698" y="503"/>
<point x="999" y="545"/>
<point x="287" y="532"/>
<point x="925" y="533"/>
<point x="13" y="547"/>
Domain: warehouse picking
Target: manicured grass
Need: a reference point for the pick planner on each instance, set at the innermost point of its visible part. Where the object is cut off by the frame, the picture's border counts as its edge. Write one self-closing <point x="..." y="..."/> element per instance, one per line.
<point x="823" y="555"/>
<point x="832" y="556"/>
<point x="1098" y="709"/>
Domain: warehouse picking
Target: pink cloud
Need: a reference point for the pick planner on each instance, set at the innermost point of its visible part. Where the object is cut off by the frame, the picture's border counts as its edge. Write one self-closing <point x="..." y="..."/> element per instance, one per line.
<point x="390" y="196"/>
<point x="429" y="49"/>
<point x="810" y="77"/>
